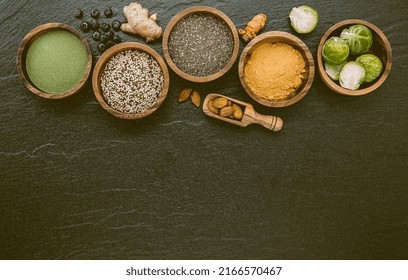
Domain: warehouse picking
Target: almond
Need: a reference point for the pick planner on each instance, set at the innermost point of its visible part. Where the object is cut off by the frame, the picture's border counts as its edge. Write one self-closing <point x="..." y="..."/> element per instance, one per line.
<point x="184" y="94"/>
<point x="238" y="114"/>
<point x="211" y="107"/>
<point x="220" y="102"/>
<point x="226" y="111"/>
<point x="196" y="98"/>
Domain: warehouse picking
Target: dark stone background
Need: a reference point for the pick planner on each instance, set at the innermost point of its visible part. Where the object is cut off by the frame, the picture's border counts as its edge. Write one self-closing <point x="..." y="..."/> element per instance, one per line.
<point x="77" y="183"/>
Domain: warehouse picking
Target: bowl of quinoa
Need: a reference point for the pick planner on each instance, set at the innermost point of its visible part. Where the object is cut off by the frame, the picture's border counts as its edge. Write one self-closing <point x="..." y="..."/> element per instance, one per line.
<point x="130" y="80"/>
<point x="200" y="44"/>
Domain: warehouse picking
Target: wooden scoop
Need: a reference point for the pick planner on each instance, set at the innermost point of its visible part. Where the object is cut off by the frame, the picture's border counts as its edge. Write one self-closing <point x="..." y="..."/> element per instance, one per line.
<point x="250" y="116"/>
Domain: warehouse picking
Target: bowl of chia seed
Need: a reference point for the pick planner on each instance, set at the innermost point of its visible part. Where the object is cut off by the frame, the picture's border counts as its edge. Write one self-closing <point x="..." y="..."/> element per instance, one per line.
<point x="200" y="44"/>
<point x="130" y="80"/>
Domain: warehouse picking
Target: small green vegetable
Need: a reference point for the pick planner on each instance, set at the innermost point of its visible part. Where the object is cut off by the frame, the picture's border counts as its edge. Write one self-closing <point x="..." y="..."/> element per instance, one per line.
<point x="372" y="65"/>
<point x="335" y="51"/>
<point x="333" y="70"/>
<point x="304" y="19"/>
<point x="352" y="75"/>
<point x="358" y="37"/>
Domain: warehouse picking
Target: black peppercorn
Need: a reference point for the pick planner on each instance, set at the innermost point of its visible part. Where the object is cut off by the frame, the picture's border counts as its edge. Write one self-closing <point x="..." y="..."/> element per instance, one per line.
<point x="116" y="25"/>
<point x="108" y="12"/>
<point x="105" y="26"/>
<point x="85" y="26"/>
<point x="109" y="44"/>
<point x="78" y="14"/>
<point x="94" y="24"/>
<point x="116" y="39"/>
<point x="96" y="36"/>
<point x="110" y="34"/>
<point x="101" y="47"/>
<point x="95" y="13"/>
<point x="104" y="37"/>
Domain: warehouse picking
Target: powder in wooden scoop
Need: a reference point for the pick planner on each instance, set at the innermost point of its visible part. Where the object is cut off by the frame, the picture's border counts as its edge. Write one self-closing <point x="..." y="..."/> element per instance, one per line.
<point x="56" y="61"/>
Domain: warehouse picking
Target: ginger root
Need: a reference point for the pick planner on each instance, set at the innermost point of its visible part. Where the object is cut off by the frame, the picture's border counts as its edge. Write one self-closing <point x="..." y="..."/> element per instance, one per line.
<point x="253" y="27"/>
<point x="140" y="22"/>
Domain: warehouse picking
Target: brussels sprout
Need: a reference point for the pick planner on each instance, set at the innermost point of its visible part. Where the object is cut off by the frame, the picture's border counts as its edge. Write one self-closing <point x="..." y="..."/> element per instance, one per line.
<point x="358" y="37"/>
<point x="304" y="19"/>
<point x="372" y="65"/>
<point x="333" y="70"/>
<point x="352" y="75"/>
<point x="335" y="51"/>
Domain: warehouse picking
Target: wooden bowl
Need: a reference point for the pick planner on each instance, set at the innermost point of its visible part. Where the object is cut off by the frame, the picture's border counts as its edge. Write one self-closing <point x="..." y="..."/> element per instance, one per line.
<point x="100" y="66"/>
<point x="381" y="47"/>
<point x="200" y="10"/>
<point x="278" y="37"/>
<point x="22" y="55"/>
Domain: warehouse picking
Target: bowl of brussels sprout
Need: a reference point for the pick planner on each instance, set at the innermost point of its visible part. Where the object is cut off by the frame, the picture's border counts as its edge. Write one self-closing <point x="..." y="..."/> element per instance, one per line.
<point x="354" y="57"/>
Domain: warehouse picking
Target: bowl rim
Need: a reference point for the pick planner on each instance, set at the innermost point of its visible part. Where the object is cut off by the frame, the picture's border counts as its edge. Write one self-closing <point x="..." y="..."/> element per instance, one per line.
<point x="181" y="15"/>
<point x="300" y="45"/>
<point x="24" y="47"/>
<point x="100" y="65"/>
<point x="332" y="84"/>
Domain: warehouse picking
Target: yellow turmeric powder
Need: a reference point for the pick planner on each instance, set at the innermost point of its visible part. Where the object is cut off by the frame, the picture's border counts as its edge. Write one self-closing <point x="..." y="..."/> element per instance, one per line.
<point x="275" y="71"/>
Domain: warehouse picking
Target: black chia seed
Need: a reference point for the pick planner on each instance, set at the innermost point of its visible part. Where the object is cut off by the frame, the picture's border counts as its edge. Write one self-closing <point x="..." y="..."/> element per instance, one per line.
<point x="201" y="45"/>
<point x="131" y="82"/>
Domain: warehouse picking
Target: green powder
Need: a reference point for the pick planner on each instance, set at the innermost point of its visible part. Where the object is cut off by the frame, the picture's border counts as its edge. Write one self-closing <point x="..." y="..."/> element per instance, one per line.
<point x="56" y="62"/>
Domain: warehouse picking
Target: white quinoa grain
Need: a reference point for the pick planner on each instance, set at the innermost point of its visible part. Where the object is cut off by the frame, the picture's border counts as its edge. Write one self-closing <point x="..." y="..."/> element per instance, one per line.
<point x="131" y="82"/>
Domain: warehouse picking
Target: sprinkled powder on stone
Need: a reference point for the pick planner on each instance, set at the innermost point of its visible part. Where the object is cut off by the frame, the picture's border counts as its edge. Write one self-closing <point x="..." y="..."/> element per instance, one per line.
<point x="201" y="45"/>
<point x="131" y="82"/>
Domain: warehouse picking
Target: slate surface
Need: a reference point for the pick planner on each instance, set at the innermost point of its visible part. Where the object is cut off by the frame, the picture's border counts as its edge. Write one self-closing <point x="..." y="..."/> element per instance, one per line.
<point x="76" y="183"/>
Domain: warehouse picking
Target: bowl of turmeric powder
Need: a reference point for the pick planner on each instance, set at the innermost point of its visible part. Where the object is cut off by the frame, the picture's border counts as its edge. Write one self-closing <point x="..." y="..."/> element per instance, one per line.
<point x="276" y="69"/>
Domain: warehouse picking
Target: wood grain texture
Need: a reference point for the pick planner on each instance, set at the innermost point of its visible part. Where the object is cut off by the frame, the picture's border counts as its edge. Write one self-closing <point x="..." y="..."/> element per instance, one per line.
<point x="77" y="183"/>
<point x="250" y="116"/>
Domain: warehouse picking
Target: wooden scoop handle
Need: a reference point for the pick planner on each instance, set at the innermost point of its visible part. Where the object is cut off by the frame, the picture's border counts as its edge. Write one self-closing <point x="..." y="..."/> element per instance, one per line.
<point x="270" y="122"/>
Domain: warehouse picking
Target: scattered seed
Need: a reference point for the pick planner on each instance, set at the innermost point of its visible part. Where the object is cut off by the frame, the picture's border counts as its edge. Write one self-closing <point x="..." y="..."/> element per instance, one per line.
<point x="184" y="94"/>
<point x="108" y="12"/>
<point x="109" y="44"/>
<point x="101" y="47"/>
<point x="85" y="26"/>
<point x="94" y="24"/>
<point x="196" y="98"/>
<point x="95" y="13"/>
<point x="105" y="26"/>
<point x="110" y="34"/>
<point x="78" y="14"/>
<point x="116" y="39"/>
<point x="96" y="36"/>
<point x="104" y="37"/>
<point x="116" y="25"/>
